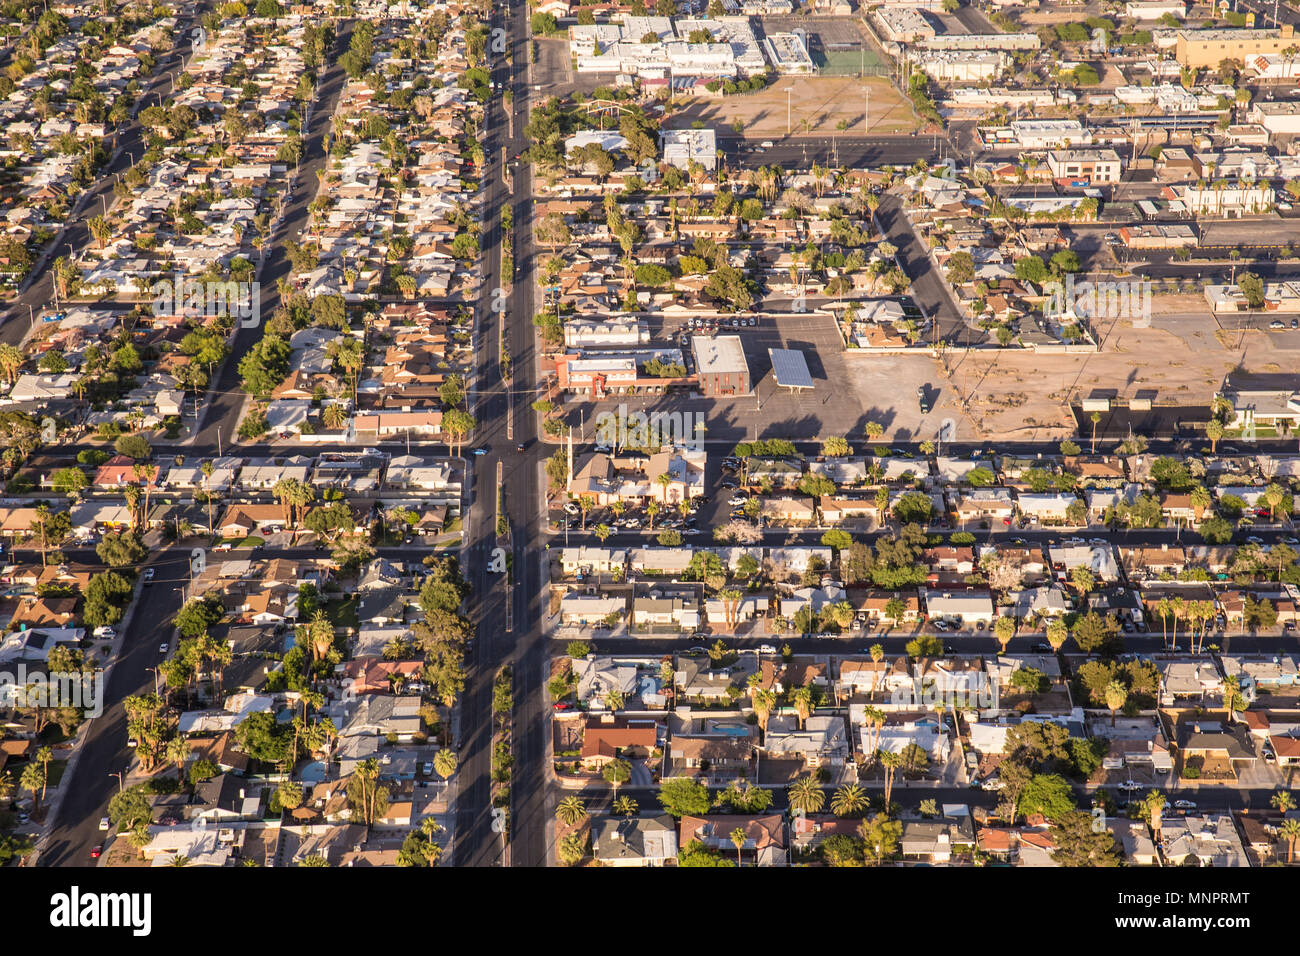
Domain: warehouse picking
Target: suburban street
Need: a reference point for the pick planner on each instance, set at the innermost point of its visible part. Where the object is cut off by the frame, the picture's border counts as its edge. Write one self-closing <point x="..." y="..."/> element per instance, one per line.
<point x="91" y="785"/>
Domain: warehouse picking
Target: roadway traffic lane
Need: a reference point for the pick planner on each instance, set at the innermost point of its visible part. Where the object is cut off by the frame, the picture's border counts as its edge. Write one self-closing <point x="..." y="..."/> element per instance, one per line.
<point x="75" y="830"/>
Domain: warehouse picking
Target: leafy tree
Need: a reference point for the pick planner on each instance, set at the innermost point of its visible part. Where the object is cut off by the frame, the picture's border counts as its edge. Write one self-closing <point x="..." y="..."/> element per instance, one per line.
<point x="841" y="849"/>
<point x="696" y="853"/>
<point x="198" y="615"/>
<point x="682" y="796"/>
<point x="1047" y="794"/>
<point x="1078" y="845"/>
<point x="121" y="549"/>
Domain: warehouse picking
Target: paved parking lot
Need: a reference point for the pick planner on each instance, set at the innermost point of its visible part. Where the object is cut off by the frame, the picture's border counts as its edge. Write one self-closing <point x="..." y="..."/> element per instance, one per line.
<point x="848" y="391"/>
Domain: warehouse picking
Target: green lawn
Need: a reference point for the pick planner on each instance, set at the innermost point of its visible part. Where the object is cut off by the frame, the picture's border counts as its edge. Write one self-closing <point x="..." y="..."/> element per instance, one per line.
<point x="342" y="613"/>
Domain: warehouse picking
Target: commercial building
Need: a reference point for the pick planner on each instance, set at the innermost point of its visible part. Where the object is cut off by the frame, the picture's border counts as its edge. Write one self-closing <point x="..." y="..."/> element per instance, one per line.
<point x="788" y="53"/>
<point x="1277" y="116"/>
<point x="1050" y="134"/>
<point x="983" y="41"/>
<point x="903" y="25"/>
<point x="964" y="66"/>
<point x="681" y="147"/>
<point x="1201" y="49"/>
<point x="1094" y="165"/>
<point x="720" y="365"/>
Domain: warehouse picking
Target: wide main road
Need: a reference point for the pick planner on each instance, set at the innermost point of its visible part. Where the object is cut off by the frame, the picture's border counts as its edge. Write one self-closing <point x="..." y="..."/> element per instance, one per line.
<point x="476" y="841"/>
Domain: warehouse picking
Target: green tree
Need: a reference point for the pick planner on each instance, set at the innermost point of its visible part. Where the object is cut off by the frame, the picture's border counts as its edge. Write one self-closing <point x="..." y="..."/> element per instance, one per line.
<point x="682" y="796"/>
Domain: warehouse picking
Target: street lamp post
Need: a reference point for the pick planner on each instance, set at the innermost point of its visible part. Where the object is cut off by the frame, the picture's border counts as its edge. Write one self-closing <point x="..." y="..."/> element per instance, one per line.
<point x="118" y="774"/>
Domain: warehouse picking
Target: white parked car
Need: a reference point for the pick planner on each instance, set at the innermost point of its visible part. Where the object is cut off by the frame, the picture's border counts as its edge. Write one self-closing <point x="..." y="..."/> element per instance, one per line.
<point x="1184" y="805"/>
<point x="766" y="649"/>
<point x="105" y="631"/>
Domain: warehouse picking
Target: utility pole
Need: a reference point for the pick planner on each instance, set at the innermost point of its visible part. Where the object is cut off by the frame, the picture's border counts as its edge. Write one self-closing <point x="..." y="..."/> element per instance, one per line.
<point x="788" y="93"/>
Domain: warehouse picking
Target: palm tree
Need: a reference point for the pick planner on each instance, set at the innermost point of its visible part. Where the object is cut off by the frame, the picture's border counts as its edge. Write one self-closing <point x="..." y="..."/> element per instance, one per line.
<point x="1230" y="687"/>
<point x="626" y="806"/>
<point x="1290" y="830"/>
<point x="177" y="752"/>
<point x="207" y="469"/>
<point x="652" y="509"/>
<point x="730" y="598"/>
<point x="1004" y="629"/>
<point x="806" y="795"/>
<point x="1283" y="802"/>
<point x="1164" y="609"/>
<point x="763" y="702"/>
<point x="11" y="360"/>
<point x="1178" y="607"/>
<point x="571" y="811"/>
<point x="43" y="757"/>
<point x="1214" y="432"/>
<point x="1057" y="633"/>
<point x="890" y="761"/>
<point x="33" y="781"/>
<point x="849" y="800"/>
<point x="1095" y="417"/>
<point x="873" y="718"/>
<point x="1116" y="695"/>
<point x="802" y="699"/>
<point x="444" y="762"/>
<point x="738" y="841"/>
<point x="602" y="532"/>
<point x="1154" y="804"/>
<point x="1274" y="495"/>
<point x="663" y="480"/>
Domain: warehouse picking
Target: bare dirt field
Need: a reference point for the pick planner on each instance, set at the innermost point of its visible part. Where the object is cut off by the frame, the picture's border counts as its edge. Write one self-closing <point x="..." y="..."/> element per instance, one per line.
<point x="1182" y="358"/>
<point x="818" y="105"/>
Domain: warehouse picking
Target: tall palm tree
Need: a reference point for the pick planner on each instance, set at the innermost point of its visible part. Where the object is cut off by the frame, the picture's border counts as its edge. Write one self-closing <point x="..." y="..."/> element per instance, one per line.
<point x="738" y="841"/>
<point x="1290" y="831"/>
<point x="806" y="795"/>
<point x="1154" y="804"/>
<point x="763" y="702"/>
<point x="890" y="761"/>
<point x="874" y="720"/>
<point x="1177" y="607"/>
<point x="626" y="806"/>
<point x="207" y="469"/>
<point x="802" y="699"/>
<point x="1283" y="802"/>
<point x="1164" y="609"/>
<point x="1116" y="695"/>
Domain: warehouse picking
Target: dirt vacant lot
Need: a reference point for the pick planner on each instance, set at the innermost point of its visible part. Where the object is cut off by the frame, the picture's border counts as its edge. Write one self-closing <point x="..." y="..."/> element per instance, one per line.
<point x="1183" y="358"/>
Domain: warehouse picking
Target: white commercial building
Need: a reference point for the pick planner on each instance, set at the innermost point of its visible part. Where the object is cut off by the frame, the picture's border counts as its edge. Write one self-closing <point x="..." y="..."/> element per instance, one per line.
<point x="788" y="53"/>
